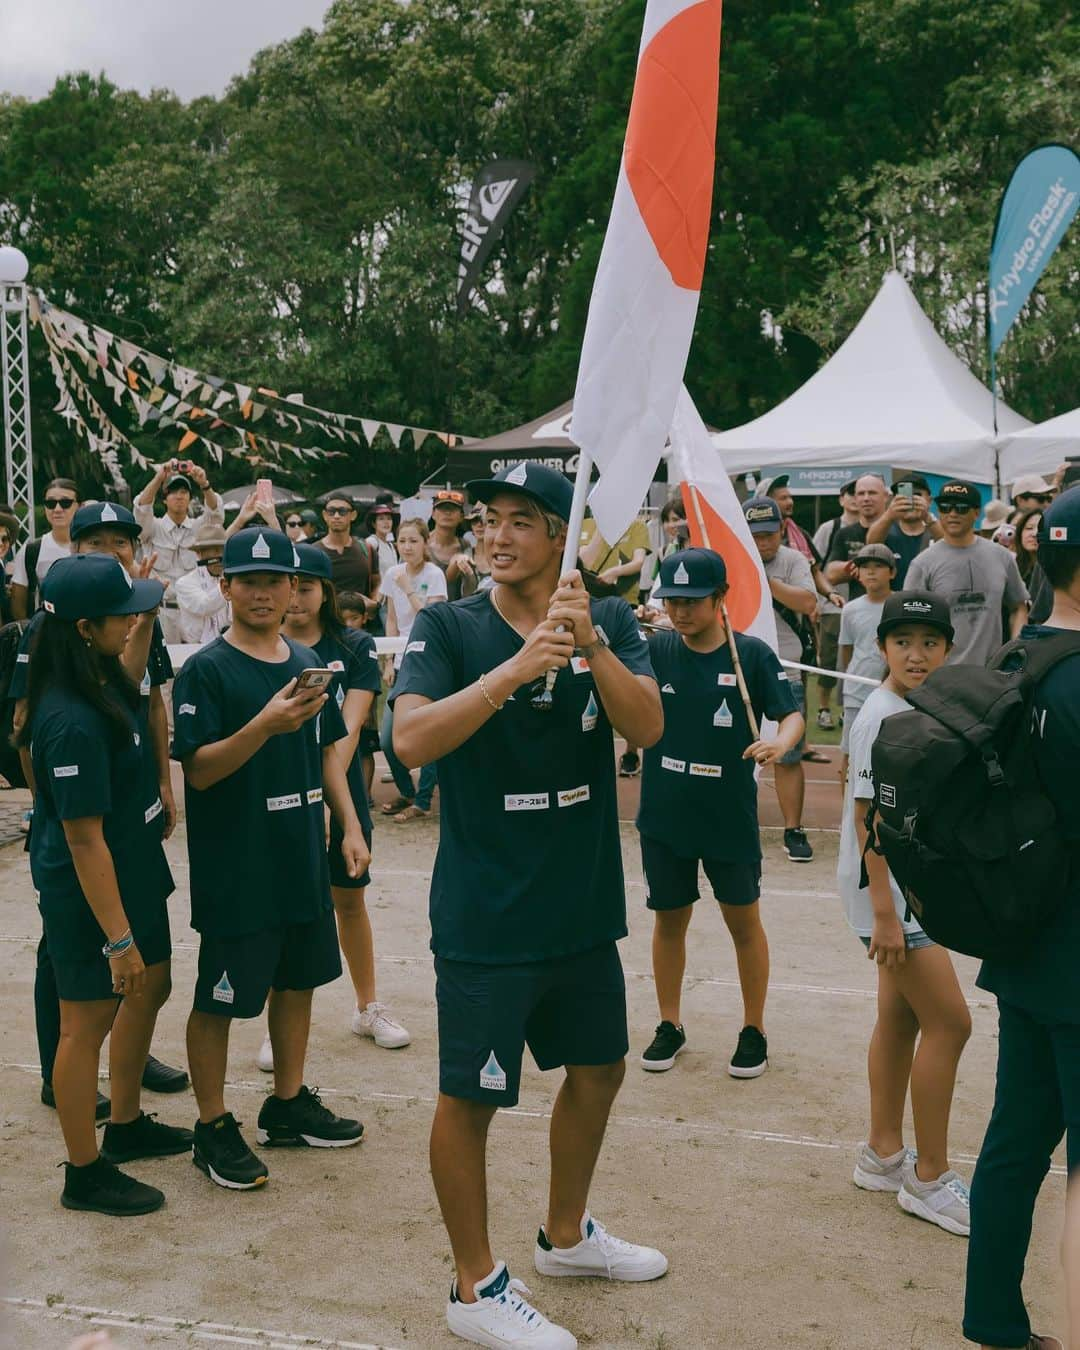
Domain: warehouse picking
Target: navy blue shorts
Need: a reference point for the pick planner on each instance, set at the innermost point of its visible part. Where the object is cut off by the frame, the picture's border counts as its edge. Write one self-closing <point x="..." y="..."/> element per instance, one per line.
<point x="82" y="972"/>
<point x="338" y="875"/>
<point x="237" y="973"/>
<point x="671" y="881"/>
<point x="568" y="1011"/>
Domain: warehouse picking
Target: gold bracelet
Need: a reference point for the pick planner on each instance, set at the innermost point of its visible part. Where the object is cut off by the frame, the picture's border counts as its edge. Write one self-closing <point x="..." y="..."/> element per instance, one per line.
<point x="483" y="689"/>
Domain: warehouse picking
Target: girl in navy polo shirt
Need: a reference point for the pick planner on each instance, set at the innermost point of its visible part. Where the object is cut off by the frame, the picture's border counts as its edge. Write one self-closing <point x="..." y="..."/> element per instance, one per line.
<point x="101" y="874"/>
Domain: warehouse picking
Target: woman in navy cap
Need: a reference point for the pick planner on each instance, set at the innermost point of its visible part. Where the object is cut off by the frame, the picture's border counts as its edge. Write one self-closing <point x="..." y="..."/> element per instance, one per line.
<point x="101" y="874"/>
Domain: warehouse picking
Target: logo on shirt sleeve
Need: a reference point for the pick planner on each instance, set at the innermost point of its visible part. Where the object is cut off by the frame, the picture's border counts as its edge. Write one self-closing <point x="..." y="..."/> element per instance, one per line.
<point x="152" y="812"/>
<point x="22" y="659"/>
<point x="415" y="647"/>
<point x="66" y="771"/>
<point x="186" y="709"/>
<point x="591" y="714"/>
<point x="492" y="1075"/>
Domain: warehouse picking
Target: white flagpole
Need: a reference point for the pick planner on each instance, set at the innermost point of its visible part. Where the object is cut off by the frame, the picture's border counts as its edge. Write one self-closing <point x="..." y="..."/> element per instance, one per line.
<point x="544" y="699"/>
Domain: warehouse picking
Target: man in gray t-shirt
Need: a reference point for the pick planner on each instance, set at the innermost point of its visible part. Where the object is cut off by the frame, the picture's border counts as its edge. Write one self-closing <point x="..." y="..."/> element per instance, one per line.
<point x="979" y="579"/>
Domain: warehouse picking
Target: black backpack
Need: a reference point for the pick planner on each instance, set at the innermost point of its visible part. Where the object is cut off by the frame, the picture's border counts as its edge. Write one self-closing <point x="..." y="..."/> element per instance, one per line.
<point x="959" y="813"/>
<point x="10" y="766"/>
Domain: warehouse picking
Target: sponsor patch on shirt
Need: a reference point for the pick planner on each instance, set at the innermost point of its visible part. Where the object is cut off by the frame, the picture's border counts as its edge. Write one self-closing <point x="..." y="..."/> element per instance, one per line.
<point x="335" y="665"/>
<point x="591" y="714"/>
<point x="66" y="771"/>
<point x="152" y="811"/>
<point x="415" y="647"/>
<point x="314" y="795"/>
<point x="525" y="801"/>
<point x="727" y="680"/>
<point x="284" y="803"/>
<point x="722" y="716"/>
<point x="667" y="689"/>
<point x="23" y="659"/>
<point x="579" y="665"/>
<point x="188" y="708"/>
<point x="492" y="1075"/>
<point x="675" y="765"/>
<point x="572" y="796"/>
<point x="706" y="770"/>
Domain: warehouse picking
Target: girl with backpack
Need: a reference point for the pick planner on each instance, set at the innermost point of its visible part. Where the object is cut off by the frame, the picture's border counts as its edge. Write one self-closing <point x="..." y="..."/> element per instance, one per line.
<point x="923" y="1022"/>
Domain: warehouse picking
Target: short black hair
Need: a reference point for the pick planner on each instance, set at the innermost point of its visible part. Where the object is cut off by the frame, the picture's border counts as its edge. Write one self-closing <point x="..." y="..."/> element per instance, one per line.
<point x="351" y="600"/>
<point x="1060" y="564"/>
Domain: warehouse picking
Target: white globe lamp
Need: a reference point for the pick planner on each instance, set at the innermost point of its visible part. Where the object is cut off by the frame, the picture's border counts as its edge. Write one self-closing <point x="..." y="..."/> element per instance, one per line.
<point x="13" y="264"/>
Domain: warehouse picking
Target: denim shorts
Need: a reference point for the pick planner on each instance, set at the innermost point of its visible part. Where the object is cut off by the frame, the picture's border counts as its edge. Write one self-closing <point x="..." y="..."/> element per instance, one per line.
<point x="794" y="755"/>
<point x="913" y="942"/>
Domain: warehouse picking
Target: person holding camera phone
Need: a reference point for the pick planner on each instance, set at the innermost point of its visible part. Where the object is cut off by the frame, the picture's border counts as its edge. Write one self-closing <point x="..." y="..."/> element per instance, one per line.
<point x="256" y="734"/>
<point x="172" y="535"/>
<point x="907" y="525"/>
<point x="258" y="509"/>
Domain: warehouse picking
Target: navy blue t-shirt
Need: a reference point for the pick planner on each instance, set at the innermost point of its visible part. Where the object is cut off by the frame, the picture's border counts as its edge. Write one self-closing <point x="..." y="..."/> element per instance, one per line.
<point x="83" y="766"/>
<point x="529" y="866"/>
<point x="1042" y="979"/>
<point x="256" y="841"/>
<point x="355" y="664"/>
<point x="906" y="548"/>
<point x="698" y="795"/>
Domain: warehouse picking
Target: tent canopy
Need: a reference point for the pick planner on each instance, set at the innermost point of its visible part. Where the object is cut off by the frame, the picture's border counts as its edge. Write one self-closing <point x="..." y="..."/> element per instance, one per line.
<point x="545" y="439"/>
<point x="894" y="392"/>
<point x="1041" y="448"/>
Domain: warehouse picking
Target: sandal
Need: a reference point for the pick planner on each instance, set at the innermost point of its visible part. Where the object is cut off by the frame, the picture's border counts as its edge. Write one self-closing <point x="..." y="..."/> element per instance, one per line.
<point x="815" y="757"/>
<point x="412" y="812"/>
<point x="398" y="804"/>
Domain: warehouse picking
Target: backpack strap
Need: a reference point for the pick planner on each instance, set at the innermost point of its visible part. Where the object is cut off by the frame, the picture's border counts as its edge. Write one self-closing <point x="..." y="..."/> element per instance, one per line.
<point x="1035" y="658"/>
<point x="33" y="552"/>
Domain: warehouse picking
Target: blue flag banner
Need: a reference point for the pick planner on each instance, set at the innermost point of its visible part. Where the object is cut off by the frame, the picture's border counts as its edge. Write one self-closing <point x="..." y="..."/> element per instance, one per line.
<point x="1036" y="210"/>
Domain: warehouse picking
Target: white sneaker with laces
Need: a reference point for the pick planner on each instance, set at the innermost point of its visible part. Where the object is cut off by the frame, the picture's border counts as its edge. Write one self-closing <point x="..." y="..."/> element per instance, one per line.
<point x="873" y="1173"/>
<point x="374" y="1021"/>
<point x="265" y="1058"/>
<point x="502" y="1316"/>
<point x="598" y="1253"/>
<point x="945" y="1201"/>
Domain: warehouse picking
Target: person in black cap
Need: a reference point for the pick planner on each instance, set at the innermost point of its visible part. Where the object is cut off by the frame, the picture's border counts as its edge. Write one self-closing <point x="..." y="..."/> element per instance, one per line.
<point x="977" y="579"/>
<point x="923" y="1022"/>
<point x="906" y="526"/>
<point x="527" y="899"/>
<point x="1037" y="1097"/>
<point x="258" y="748"/>
<point x="100" y="872"/>
<point x="169" y="537"/>
<point x="871" y="499"/>
<point x="699" y="797"/>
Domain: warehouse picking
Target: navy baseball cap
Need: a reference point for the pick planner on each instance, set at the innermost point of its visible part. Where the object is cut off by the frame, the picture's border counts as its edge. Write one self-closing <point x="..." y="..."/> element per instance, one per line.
<point x="904" y="607"/>
<point x="259" y="550"/>
<point x="547" y="487"/>
<point x="691" y="574"/>
<point x="94" y="586"/>
<point x="762" y="515"/>
<point x="178" y="480"/>
<point x="959" y="493"/>
<point x="111" y="515"/>
<point x="314" y="562"/>
<point x="1061" y="520"/>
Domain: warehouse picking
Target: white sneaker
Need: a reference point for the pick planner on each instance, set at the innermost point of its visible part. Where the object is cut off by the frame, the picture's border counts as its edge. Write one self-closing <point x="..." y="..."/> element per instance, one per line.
<point x="598" y="1253"/>
<point x="873" y="1173"/>
<point x="501" y="1317"/>
<point x="265" y="1058"/>
<point x="373" y="1021"/>
<point x="945" y="1202"/>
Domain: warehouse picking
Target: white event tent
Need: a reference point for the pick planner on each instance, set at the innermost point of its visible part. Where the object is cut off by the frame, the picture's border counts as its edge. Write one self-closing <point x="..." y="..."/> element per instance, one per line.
<point x="893" y="393"/>
<point x="1041" y="448"/>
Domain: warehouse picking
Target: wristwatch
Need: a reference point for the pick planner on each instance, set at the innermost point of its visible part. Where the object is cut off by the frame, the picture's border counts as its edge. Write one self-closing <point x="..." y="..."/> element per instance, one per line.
<point x="601" y="641"/>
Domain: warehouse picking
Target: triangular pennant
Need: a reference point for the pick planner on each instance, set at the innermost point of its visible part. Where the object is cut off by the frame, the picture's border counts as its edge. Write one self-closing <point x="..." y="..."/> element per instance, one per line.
<point x="155" y="366"/>
<point x="223" y="397"/>
<point x="245" y="409"/>
<point x="243" y="393"/>
<point x="156" y="394"/>
<point x="188" y="438"/>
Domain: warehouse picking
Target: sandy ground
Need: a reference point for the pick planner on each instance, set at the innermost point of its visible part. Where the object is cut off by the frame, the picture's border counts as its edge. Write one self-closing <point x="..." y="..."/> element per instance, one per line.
<point x="746" y="1185"/>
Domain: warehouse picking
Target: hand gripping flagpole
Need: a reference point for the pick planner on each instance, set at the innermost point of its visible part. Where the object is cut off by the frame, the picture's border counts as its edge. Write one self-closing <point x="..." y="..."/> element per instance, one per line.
<point x="544" y="699"/>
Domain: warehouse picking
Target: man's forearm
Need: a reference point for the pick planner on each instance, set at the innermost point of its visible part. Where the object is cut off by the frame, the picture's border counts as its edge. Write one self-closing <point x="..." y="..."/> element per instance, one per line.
<point x="875" y="534"/>
<point x="211" y="763"/>
<point x="137" y="650"/>
<point x="1017" y="619"/>
<point x="426" y="731"/>
<point x="632" y="702"/>
<point x="837" y="572"/>
<point x="790" y="731"/>
<point x="18" y="596"/>
<point x="794" y="597"/>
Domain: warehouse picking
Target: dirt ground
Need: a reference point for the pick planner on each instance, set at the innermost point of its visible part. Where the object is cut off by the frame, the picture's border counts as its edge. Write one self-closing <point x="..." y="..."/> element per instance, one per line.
<point x="745" y="1185"/>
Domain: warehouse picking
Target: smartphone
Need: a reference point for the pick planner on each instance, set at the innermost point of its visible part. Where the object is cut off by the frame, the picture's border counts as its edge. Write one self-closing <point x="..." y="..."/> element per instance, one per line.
<point x="905" y="490"/>
<point x="315" y="677"/>
<point x="264" y="492"/>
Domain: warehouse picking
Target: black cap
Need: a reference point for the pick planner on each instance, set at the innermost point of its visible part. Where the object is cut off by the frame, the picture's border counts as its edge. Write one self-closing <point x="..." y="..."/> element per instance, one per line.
<point x="313" y="562"/>
<point x="1061" y="520"/>
<point x="111" y="515"/>
<point x="95" y="586"/>
<point x="691" y="574"/>
<point x="904" y="607"/>
<point x="917" y="481"/>
<point x="549" y="488"/>
<point x="259" y="550"/>
<point x="781" y="480"/>
<point x="959" y="493"/>
<point x="762" y="515"/>
<point x="848" y="490"/>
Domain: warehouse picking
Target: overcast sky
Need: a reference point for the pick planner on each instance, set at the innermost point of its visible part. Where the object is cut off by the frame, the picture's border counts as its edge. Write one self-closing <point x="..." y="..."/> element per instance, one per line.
<point x="190" y="46"/>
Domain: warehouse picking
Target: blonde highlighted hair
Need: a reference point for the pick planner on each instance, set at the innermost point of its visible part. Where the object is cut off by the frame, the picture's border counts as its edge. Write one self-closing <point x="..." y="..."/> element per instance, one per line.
<point x="421" y="528"/>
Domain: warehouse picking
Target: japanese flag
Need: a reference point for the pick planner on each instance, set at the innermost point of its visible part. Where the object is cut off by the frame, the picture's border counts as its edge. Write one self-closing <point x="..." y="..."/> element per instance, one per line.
<point x="645" y="296"/>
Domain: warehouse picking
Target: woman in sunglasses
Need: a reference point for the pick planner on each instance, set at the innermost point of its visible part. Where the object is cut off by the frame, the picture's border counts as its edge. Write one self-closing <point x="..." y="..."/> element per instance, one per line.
<point x="36" y="556"/>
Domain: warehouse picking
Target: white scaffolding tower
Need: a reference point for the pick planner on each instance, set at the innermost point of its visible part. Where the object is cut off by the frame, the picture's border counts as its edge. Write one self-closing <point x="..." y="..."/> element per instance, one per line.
<point x="15" y="383"/>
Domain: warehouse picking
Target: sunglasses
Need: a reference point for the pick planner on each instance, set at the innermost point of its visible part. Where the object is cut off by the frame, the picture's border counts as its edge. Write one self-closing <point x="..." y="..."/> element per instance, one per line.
<point x="955" y="508"/>
<point x="1043" y="498"/>
<point x="291" y="523"/>
<point x="337" y="510"/>
<point x="59" y="503"/>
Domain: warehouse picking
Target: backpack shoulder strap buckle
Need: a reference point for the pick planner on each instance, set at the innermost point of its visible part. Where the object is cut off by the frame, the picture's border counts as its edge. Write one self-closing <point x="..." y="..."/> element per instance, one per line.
<point x="994" y="772"/>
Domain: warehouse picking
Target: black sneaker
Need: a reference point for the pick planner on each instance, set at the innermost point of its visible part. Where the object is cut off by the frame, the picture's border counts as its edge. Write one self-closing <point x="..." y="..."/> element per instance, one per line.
<point x="219" y="1151"/>
<point x="666" y="1046"/>
<point x="797" y="846"/>
<point x="751" y="1057"/>
<point x="144" y="1137"/>
<point x="101" y="1111"/>
<point x="103" y="1188"/>
<point x="304" y="1119"/>
<point x="629" y="764"/>
<point x="158" y="1077"/>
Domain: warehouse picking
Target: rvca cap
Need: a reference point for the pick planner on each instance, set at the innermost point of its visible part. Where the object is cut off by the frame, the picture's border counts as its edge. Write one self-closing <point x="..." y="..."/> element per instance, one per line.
<point x="313" y="562"/>
<point x="1061" y="520"/>
<point x="691" y="574"/>
<point x="959" y="493"/>
<point x="548" y="487"/>
<point x="762" y="515"/>
<point x="904" y="607"/>
<point x="259" y="550"/>
<point x="94" y="586"/>
<point x="111" y="515"/>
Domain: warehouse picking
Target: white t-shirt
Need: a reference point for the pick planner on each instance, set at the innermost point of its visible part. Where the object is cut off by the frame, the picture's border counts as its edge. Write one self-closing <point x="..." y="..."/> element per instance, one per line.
<point x="393" y="588"/>
<point x="882" y="703"/>
<point x="50" y="551"/>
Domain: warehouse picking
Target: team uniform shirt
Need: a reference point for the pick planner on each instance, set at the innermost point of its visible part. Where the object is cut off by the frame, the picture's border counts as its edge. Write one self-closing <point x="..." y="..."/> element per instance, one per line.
<point x="84" y="767"/>
<point x="858" y="630"/>
<point x="882" y="703"/>
<point x="159" y="668"/>
<point x="698" y="795"/>
<point x="1041" y="978"/>
<point x="978" y="581"/>
<point x="256" y="840"/>
<point x="355" y="664"/>
<point x="529" y="866"/>
<point x="790" y="567"/>
<point x="431" y="579"/>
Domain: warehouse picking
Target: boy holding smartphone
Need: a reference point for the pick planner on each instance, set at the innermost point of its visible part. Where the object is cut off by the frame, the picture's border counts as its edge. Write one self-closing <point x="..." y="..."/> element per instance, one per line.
<point x="258" y="753"/>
